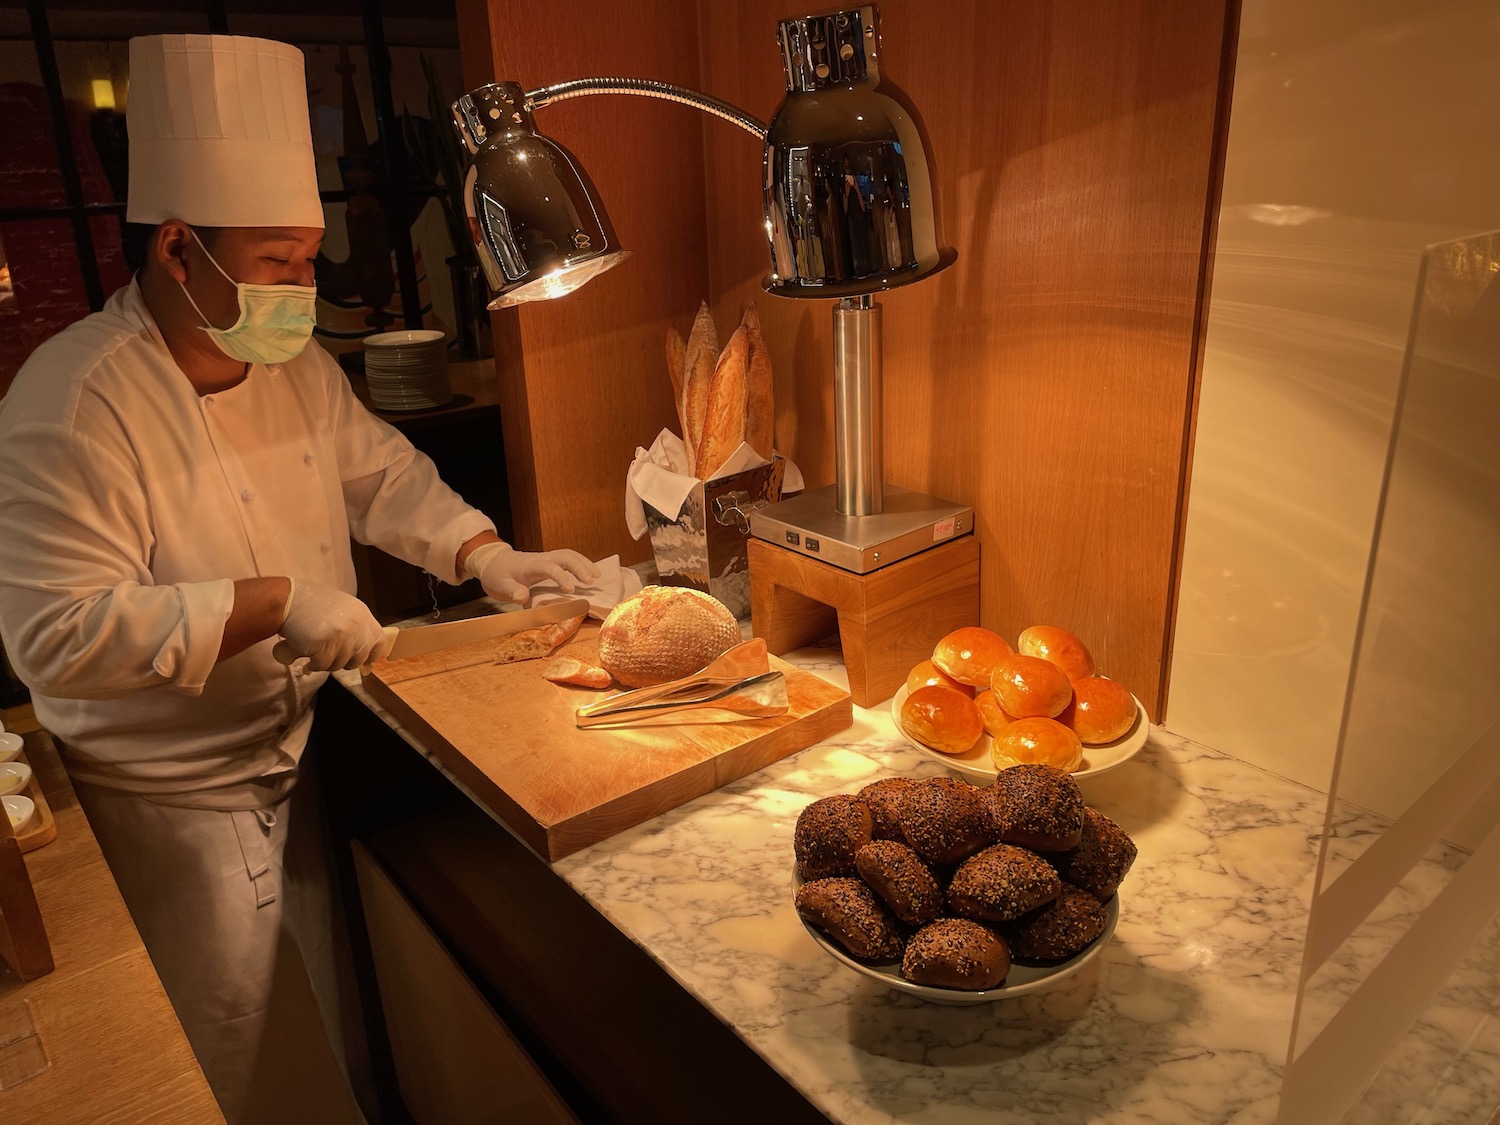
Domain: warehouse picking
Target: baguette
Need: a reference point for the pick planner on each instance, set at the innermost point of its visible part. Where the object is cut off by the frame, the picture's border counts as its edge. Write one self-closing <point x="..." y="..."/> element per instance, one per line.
<point x="697" y="374"/>
<point x="533" y="644"/>
<point x="566" y="670"/>
<point x="760" y="400"/>
<point x="676" y="361"/>
<point x="724" y="421"/>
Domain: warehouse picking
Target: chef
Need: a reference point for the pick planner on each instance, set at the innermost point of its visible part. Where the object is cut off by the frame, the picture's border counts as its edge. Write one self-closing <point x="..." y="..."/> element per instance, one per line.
<point x="182" y="473"/>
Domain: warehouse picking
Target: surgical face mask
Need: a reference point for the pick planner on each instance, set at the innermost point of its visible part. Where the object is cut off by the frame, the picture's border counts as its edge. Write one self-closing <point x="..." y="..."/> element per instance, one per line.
<point x="275" y="321"/>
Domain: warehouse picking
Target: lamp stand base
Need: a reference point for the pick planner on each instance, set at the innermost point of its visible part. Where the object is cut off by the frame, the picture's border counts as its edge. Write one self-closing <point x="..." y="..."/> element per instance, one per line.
<point x="908" y="522"/>
<point x="887" y="620"/>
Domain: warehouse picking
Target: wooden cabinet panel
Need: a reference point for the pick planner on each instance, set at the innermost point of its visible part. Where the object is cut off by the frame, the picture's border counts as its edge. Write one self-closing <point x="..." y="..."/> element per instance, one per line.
<point x="455" y="1061"/>
<point x="1047" y="377"/>
<point x="591" y="381"/>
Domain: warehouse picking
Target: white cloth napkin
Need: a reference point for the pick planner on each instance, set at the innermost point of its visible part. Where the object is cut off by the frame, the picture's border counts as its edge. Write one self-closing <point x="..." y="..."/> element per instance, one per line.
<point x="658" y="476"/>
<point x="615" y="584"/>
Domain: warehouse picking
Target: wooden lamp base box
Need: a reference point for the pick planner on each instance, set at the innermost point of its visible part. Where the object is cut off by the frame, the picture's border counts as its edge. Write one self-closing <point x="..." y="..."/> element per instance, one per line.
<point x="707" y="546"/>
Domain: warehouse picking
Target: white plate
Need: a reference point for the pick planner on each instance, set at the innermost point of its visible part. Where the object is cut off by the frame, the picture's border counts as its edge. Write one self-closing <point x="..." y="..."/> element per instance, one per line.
<point x="20" y="810"/>
<point x="10" y="745"/>
<point x="1020" y="981"/>
<point x="14" y="776"/>
<point x="403" y="338"/>
<point x="978" y="762"/>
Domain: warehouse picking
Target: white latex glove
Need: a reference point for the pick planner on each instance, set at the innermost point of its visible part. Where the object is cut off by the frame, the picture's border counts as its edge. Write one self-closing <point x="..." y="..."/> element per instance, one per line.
<point x="507" y="575"/>
<point x="331" y="628"/>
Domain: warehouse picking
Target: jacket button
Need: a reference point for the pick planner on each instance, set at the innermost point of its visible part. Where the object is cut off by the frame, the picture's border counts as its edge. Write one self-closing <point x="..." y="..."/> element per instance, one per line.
<point x="325" y="546"/>
<point x="247" y="496"/>
<point x="308" y="459"/>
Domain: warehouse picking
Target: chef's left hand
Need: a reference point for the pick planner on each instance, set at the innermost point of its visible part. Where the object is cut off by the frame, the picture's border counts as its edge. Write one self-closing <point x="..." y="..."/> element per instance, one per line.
<point x="507" y="575"/>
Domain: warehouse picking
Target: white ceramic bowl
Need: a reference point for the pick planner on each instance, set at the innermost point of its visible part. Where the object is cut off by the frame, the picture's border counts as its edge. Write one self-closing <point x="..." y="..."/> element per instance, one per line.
<point x="14" y="776"/>
<point x="10" y="746"/>
<point x="977" y="764"/>
<point x="20" y="810"/>
<point x="1020" y="981"/>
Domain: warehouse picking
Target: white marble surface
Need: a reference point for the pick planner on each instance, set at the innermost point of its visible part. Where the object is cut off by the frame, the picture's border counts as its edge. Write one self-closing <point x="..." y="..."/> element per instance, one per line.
<point x="1184" y="1018"/>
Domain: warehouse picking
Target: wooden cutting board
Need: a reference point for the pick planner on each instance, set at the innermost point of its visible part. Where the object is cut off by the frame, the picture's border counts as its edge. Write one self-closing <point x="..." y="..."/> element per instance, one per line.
<point x="510" y="736"/>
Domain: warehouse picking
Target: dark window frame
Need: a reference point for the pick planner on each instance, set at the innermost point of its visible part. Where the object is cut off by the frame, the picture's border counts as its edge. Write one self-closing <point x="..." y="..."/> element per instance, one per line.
<point x="394" y="198"/>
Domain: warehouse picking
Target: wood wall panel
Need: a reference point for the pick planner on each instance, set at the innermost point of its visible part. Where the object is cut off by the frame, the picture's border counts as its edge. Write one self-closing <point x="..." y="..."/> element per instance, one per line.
<point x="1047" y="377"/>
<point x="583" y="378"/>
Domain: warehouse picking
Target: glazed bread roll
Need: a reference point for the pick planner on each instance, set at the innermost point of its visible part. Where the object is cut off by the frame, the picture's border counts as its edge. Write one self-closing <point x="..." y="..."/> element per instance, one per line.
<point x="1064" y="928"/>
<point x="902" y="880"/>
<point x="970" y="654"/>
<point x="829" y="831"/>
<point x="881" y="796"/>
<point x="1040" y="808"/>
<point x="956" y="953"/>
<point x="1102" y="710"/>
<point x="993" y="715"/>
<point x="1000" y="883"/>
<point x="847" y="910"/>
<point x="928" y="674"/>
<point x="1058" y="646"/>
<point x="664" y="633"/>
<point x="943" y="819"/>
<point x="760" y="392"/>
<point x="942" y="719"/>
<point x="1038" y="741"/>
<point x="1028" y="686"/>
<point x="724" y="413"/>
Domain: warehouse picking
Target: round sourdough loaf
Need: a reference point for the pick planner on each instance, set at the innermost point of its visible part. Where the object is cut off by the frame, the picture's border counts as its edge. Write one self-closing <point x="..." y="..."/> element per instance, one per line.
<point x="664" y="633"/>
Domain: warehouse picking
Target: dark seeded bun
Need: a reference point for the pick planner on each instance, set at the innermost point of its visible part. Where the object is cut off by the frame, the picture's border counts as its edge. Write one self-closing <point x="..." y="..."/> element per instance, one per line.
<point x="882" y="796"/>
<point x="1101" y="859"/>
<point x="847" y="911"/>
<point x="1043" y="808"/>
<point x="943" y="819"/>
<point x="902" y="881"/>
<point x="829" y="831"/>
<point x="1064" y="928"/>
<point x="1001" y="883"/>
<point x="956" y="953"/>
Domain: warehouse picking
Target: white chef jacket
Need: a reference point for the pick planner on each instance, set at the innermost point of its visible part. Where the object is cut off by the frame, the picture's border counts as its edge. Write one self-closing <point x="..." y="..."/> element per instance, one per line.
<point x="129" y="505"/>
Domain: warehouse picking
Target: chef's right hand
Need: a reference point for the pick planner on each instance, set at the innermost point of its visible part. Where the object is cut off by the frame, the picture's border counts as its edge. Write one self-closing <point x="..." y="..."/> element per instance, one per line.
<point x="329" y="627"/>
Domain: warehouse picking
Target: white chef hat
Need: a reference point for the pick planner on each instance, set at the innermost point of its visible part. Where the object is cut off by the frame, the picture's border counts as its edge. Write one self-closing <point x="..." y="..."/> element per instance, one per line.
<point x="219" y="134"/>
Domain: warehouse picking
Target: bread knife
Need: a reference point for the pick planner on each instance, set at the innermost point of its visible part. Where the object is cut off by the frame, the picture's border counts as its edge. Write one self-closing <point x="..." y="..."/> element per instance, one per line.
<point x="420" y="639"/>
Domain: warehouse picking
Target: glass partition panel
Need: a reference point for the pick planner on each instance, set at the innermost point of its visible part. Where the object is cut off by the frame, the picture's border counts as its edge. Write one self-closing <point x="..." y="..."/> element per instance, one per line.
<point x="1400" y="991"/>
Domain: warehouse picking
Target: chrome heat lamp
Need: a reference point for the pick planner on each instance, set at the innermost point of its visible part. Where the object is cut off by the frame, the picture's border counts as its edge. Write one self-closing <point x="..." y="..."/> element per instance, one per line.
<point x="849" y="212"/>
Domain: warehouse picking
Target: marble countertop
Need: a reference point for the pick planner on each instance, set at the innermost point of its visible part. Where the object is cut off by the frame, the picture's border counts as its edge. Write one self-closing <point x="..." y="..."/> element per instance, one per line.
<point x="1183" y="1018"/>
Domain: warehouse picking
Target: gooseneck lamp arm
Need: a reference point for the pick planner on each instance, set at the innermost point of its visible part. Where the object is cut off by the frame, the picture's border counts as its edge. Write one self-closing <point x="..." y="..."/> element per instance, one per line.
<point x="850" y="207"/>
<point x="645" y="88"/>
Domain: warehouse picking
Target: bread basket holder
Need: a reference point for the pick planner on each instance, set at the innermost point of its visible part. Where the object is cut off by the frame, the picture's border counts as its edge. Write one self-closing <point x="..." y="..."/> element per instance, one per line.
<point x="707" y="546"/>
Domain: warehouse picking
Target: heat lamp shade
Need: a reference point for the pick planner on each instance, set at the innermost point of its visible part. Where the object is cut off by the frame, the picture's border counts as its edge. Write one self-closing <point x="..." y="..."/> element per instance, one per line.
<point x="849" y="183"/>
<point x="537" y="223"/>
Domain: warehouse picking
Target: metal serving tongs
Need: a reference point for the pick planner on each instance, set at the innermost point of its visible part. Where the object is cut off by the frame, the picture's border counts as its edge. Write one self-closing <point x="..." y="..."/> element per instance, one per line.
<point x="738" y="684"/>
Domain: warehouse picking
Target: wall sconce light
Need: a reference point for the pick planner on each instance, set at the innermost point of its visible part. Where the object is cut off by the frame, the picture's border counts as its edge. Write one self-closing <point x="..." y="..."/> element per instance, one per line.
<point x="849" y="211"/>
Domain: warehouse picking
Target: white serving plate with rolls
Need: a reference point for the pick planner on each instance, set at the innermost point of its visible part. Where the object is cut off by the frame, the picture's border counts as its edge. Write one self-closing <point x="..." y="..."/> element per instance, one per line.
<point x="978" y="762"/>
<point x="1020" y="981"/>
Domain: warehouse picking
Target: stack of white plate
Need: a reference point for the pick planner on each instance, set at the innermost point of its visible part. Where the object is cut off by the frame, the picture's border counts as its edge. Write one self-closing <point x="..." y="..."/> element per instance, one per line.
<point x="407" y="370"/>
